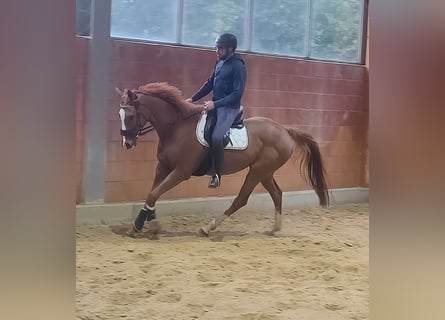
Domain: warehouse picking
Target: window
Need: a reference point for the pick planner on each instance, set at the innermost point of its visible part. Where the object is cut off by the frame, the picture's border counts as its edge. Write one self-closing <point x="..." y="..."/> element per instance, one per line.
<point x="83" y="12"/>
<point x="280" y="27"/>
<point x="336" y="30"/>
<point x="204" y="20"/>
<point x="144" y="19"/>
<point x="318" y="29"/>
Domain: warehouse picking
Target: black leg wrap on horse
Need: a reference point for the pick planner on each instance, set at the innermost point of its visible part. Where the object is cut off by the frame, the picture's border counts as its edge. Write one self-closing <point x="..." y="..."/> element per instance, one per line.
<point x="144" y="215"/>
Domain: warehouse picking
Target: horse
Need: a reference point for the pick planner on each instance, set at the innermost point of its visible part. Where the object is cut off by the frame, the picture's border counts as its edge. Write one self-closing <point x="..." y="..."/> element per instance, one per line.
<point x="180" y="155"/>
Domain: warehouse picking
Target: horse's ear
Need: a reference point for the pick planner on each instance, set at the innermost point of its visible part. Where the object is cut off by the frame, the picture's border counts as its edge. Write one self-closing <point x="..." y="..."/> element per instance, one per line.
<point x="119" y="91"/>
<point x="131" y="95"/>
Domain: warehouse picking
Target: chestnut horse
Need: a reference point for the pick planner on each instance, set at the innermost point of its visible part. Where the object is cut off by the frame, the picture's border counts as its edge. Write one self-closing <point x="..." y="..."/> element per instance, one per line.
<point x="180" y="155"/>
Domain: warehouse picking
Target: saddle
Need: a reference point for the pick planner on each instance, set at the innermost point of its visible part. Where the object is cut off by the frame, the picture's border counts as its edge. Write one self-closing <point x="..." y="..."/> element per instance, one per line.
<point x="235" y="138"/>
<point x="211" y="122"/>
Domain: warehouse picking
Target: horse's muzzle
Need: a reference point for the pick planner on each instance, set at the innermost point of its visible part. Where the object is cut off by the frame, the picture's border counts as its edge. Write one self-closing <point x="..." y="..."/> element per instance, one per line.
<point x="128" y="143"/>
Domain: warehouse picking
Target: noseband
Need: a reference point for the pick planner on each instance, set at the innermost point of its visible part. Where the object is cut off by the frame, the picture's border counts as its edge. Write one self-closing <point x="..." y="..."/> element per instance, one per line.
<point x="134" y="134"/>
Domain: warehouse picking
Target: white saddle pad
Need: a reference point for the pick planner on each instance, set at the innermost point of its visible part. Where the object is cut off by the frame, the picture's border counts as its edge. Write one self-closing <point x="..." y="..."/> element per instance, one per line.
<point x="238" y="137"/>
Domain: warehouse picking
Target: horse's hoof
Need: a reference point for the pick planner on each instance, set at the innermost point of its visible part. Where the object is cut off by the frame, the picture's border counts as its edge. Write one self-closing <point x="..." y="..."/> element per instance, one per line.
<point x="129" y="233"/>
<point x="269" y="233"/>
<point x="202" y="233"/>
<point x="153" y="237"/>
<point x="153" y="227"/>
<point x="135" y="230"/>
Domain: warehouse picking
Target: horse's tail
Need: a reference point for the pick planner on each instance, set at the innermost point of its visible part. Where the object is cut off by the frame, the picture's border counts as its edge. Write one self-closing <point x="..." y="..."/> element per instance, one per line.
<point x="312" y="161"/>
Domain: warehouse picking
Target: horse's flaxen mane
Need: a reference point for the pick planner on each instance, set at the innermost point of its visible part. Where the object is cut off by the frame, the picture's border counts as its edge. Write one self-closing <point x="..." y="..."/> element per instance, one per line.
<point x="171" y="95"/>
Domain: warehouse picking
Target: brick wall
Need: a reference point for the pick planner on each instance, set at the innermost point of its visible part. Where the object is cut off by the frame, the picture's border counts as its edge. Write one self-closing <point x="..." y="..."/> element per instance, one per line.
<point x="327" y="100"/>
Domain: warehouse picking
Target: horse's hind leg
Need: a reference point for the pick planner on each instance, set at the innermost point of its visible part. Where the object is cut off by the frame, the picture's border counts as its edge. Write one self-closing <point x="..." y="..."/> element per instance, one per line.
<point x="241" y="200"/>
<point x="275" y="192"/>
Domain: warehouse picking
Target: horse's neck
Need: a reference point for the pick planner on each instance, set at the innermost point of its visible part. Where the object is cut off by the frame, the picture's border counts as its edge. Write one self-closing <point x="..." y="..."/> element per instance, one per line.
<point x="162" y="115"/>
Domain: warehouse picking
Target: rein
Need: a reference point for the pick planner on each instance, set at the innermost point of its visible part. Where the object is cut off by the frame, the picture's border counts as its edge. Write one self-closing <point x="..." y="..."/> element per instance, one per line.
<point x="145" y="130"/>
<point x="140" y="132"/>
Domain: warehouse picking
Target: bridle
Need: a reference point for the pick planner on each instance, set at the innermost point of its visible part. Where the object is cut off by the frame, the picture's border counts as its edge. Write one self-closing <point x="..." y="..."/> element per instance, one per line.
<point x="137" y="133"/>
<point x="139" y="130"/>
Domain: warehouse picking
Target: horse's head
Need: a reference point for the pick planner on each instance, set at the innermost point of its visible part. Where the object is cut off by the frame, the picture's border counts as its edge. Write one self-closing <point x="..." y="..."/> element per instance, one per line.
<point x="157" y="103"/>
<point x="130" y="118"/>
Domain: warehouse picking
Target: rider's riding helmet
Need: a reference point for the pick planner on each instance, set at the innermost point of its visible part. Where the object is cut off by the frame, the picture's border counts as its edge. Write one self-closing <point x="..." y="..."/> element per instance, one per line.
<point x="226" y="40"/>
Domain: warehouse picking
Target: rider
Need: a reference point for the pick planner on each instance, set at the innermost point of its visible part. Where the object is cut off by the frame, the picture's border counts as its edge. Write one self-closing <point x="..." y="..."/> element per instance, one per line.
<point x="227" y="81"/>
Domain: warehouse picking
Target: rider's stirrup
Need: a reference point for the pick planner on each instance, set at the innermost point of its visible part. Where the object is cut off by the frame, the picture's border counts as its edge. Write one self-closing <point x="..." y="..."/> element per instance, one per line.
<point x="215" y="181"/>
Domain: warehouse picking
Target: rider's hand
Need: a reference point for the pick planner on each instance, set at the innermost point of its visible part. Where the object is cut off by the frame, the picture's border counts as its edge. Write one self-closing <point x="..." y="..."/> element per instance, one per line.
<point x="189" y="100"/>
<point x="208" y="105"/>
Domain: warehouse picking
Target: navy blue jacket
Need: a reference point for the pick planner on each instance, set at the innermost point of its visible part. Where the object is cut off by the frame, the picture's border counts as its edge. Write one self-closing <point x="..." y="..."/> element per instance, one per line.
<point x="228" y="87"/>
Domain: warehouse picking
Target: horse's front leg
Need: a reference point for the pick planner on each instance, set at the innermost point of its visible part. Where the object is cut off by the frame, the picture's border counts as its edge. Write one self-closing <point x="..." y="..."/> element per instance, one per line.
<point x="147" y="213"/>
<point x="164" y="181"/>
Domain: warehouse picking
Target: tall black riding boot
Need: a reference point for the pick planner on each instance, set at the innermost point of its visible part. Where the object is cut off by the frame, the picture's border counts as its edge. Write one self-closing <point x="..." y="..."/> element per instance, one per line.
<point x="217" y="155"/>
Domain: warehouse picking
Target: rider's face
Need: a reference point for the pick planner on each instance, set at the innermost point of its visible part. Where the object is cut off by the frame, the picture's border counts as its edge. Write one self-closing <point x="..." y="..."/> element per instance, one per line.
<point x="222" y="52"/>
